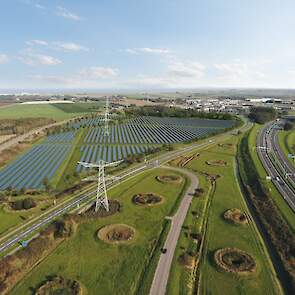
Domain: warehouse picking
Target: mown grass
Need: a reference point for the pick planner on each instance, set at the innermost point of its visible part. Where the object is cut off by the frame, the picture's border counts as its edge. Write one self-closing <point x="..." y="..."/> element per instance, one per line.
<point x="287" y="143"/>
<point x="17" y="111"/>
<point x="11" y="218"/>
<point x="80" y="107"/>
<point x="222" y="234"/>
<point x="104" y="268"/>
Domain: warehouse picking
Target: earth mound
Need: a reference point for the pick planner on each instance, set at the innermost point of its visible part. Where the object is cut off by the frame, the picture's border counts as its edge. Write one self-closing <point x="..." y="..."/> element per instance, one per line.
<point x="169" y="178"/>
<point x="235" y="216"/>
<point x="114" y="207"/>
<point x="148" y="199"/>
<point x="116" y="233"/>
<point x="59" y="285"/>
<point x="216" y="163"/>
<point x="234" y="260"/>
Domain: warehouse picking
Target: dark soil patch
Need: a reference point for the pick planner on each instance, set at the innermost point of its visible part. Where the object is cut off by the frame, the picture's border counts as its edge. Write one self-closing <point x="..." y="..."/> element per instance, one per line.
<point x="116" y="233"/>
<point x="114" y="207"/>
<point x="216" y="163"/>
<point x="235" y="216"/>
<point x="148" y="199"/>
<point x="59" y="286"/>
<point x="234" y="260"/>
<point x="169" y="179"/>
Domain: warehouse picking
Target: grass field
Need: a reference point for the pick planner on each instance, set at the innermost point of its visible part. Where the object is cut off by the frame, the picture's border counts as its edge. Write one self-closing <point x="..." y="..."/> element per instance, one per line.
<point x="104" y="268"/>
<point x="11" y="218"/>
<point x="53" y="111"/>
<point x="222" y="234"/>
<point x="79" y="107"/>
<point x="287" y="143"/>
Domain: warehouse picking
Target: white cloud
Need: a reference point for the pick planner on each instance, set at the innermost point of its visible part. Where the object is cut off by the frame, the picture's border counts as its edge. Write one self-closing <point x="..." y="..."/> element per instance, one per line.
<point x="4" y="59"/>
<point x="98" y="73"/>
<point x="179" y="74"/>
<point x="88" y="77"/>
<point x="238" y="73"/>
<point x="69" y="46"/>
<point x="37" y="42"/>
<point x="28" y="57"/>
<point x="57" y="45"/>
<point x="63" y="12"/>
<point x="34" y="4"/>
<point x="148" y="50"/>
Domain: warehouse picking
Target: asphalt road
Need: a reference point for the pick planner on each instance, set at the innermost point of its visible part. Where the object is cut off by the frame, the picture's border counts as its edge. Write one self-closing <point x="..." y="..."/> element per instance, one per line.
<point x="266" y="144"/>
<point x="81" y="199"/>
<point x="161" y="275"/>
<point x="29" y="228"/>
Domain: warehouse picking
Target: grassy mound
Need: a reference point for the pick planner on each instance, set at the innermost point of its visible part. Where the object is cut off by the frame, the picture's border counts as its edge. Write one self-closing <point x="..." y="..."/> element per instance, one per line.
<point x="116" y="233"/>
<point x="59" y="286"/>
<point x="169" y="178"/>
<point x="235" y="216"/>
<point x="148" y="199"/>
<point x="216" y="163"/>
<point x="234" y="260"/>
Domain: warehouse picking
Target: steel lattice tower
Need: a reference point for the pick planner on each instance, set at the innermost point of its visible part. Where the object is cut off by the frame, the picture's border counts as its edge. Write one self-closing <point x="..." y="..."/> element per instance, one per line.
<point x="106" y="118"/>
<point x="101" y="192"/>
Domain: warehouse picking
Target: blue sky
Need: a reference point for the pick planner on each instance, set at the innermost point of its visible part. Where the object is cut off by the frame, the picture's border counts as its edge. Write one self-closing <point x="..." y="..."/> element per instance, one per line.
<point x="146" y="44"/>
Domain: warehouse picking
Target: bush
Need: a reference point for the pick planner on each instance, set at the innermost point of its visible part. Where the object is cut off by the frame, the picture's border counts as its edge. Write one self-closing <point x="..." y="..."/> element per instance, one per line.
<point x="24" y="204"/>
<point x="262" y="115"/>
<point x="288" y="126"/>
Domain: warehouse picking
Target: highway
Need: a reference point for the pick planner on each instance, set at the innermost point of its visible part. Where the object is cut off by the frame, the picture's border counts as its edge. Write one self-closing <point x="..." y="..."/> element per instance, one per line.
<point x="32" y="226"/>
<point x="24" y="232"/>
<point x="272" y="157"/>
<point x="161" y="275"/>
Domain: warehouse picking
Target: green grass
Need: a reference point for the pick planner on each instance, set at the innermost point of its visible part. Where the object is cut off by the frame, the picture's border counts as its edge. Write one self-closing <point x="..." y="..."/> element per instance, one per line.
<point x="11" y="218"/>
<point x="104" y="268"/>
<point x="283" y="207"/>
<point x="287" y="143"/>
<point x="80" y="107"/>
<point x="223" y="234"/>
<point x="17" y="111"/>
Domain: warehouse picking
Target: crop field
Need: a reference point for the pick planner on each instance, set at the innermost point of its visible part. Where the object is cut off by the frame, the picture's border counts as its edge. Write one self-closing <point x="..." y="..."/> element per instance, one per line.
<point x="79" y="107"/>
<point x="131" y="137"/>
<point x="111" y="269"/>
<point x="52" y="111"/>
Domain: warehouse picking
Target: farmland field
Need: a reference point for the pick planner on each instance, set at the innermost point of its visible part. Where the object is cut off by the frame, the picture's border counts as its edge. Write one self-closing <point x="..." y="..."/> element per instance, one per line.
<point x="52" y="111"/>
<point x="79" y="107"/>
<point x="111" y="269"/>
<point x="134" y="136"/>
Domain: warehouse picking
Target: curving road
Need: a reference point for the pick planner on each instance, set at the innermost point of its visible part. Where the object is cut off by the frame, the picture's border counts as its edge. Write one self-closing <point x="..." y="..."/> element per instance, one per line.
<point x="267" y="147"/>
<point x="161" y="275"/>
<point x="32" y="226"/>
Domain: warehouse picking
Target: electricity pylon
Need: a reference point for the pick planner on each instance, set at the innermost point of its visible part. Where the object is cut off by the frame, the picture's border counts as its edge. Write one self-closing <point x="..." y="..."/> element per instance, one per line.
<point x="101" y="193"/>
<point x="106" y="118"/>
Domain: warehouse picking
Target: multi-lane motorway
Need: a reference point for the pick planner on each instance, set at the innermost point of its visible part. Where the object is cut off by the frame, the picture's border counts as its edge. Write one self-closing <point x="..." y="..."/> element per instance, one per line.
<point x="276" y="164"/>
<point x="26" y="231"/>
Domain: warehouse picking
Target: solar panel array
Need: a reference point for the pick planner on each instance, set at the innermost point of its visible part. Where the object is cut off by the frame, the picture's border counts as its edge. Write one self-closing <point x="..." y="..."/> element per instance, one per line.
<point x="133" y="136"/>
<point x="29" y="171"/>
